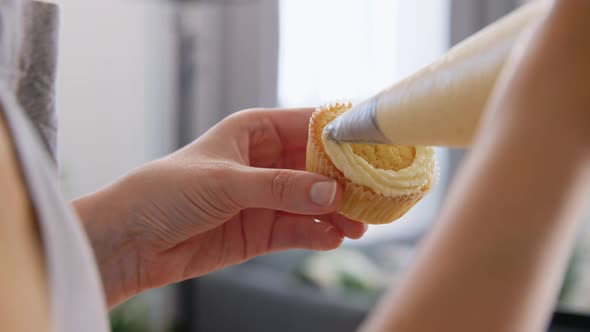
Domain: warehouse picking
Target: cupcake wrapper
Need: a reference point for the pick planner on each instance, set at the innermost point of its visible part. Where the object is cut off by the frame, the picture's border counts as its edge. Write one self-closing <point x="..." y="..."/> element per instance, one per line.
<point x="360" y="203"/>
<point x="371" y="208"/>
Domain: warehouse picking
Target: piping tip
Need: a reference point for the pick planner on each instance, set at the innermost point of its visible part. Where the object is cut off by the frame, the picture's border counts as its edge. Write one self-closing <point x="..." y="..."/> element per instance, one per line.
<point x="358" y="125"/>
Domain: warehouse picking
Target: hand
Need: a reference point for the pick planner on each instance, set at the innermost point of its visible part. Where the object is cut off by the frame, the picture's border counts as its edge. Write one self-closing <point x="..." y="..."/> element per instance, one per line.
<point x="237" y="192"/>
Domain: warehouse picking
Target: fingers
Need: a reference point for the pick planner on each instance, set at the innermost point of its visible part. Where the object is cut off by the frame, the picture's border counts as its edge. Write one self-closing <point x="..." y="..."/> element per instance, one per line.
<point x="284" y="190"/>
<point x="291" y="125"/>
<point x="295" y="160"/>
<point x="303" y="232"/>
<point x="349" y="228"/>
<point x="306" y="232"/>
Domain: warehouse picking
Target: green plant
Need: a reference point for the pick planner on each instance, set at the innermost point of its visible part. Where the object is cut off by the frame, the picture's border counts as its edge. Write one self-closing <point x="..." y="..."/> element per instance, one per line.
<point x="130" y="317"/>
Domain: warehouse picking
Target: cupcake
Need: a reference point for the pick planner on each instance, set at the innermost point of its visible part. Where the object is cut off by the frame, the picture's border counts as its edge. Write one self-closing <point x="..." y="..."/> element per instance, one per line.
<point x="381" y="182"/>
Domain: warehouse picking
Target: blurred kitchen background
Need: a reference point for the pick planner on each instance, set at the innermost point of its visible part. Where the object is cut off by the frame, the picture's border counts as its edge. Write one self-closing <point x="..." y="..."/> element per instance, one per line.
<point x="140" y="78"/>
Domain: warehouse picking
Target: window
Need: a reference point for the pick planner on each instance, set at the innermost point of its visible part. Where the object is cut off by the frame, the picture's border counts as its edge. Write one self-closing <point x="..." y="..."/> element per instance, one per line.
<point x="354" y="48"/>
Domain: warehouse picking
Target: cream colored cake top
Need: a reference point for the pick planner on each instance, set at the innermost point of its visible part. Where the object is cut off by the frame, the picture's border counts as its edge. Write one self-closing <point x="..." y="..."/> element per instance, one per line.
<point x="389" y="173"/>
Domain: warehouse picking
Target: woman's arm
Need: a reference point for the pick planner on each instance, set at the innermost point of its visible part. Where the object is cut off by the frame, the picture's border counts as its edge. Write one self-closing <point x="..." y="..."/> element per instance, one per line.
<point x="23" y="283"/>
<point x="495" y="260"/>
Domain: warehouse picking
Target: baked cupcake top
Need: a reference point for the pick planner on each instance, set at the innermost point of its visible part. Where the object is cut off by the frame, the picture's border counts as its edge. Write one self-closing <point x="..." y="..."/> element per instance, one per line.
<point x="389" y="170"/>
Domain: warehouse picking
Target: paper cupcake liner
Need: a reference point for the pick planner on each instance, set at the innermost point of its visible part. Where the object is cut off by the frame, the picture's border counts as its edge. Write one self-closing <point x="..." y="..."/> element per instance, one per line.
<point x="360" y="203"/>
<point x="371" y="208"/>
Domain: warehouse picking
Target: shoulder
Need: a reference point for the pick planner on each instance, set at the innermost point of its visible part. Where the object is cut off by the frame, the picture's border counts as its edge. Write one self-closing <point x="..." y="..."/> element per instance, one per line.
<point x="22" y="277"/>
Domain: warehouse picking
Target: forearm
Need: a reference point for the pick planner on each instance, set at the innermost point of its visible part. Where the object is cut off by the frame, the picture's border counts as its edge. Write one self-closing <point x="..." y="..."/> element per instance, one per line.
<point x="496" y="258"/>
<point x="105" y="218"/>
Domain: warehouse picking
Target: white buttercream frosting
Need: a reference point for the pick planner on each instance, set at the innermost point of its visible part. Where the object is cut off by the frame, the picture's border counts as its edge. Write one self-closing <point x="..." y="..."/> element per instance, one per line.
<point x="406" y="181"/>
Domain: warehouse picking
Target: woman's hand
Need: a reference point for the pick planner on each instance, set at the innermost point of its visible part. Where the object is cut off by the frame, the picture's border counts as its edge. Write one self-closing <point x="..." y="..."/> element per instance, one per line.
<point x="237" y="192"/>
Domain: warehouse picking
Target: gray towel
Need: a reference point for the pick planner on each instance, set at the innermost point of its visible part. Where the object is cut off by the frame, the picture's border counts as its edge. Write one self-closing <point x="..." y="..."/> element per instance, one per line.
<point x="36" y="89"/>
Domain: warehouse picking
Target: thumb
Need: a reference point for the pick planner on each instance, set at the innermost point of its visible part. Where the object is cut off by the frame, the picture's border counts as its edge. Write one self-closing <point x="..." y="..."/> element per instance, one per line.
<point x="286" y="190"/>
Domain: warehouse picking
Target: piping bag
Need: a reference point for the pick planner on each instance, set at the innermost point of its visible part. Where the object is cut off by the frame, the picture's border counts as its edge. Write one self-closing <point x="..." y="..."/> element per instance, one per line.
<point x="441" y="104"/>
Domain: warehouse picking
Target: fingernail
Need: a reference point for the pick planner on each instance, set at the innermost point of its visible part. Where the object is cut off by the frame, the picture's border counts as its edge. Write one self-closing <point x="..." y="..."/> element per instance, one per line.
<point x="323" y="193"/>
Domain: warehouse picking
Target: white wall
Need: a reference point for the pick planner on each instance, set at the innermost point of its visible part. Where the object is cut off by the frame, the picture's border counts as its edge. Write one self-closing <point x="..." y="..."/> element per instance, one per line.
<point x="115" y="88"/>
<point x="234" y="57"/>
<point x="361" y="47"/>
